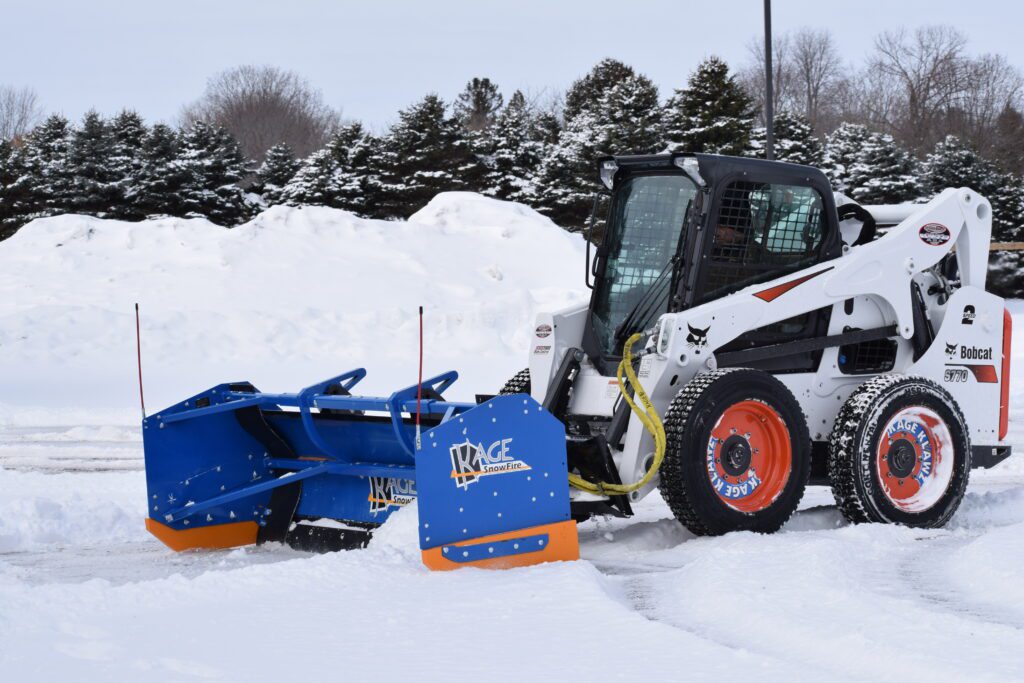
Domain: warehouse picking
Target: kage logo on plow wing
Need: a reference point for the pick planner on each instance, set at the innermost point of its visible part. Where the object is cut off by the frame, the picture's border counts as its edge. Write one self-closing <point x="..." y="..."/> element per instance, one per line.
<point x="386" y="493"/>
<point x="470" y="462"/>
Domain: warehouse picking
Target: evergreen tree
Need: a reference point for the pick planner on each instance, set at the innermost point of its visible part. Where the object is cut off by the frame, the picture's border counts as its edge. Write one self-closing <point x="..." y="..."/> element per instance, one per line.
<point x="315" y="183"/>
<point x="339" y="175"/>
<point x="1006" y="267"/>
<point x="212" y="162"/>
<point x="712" y="115"/>
<point x="622" y="103"/>
<point x="545" y="128"/>
<point x="1007" y="199"/>
<point x="47" y="151"/>
<point x="567" y="178"/>
<point x="630" y="117"/>
<point x="953" y="163"/>
<point x="588" y="91"/>
<point x="162" y="178"/>
<point x="426" y="152"/>
<point x="841" y="154"/>
<point x="794" y="141"/>
<point x="279" y="166"/>
<point x="94" y="187"/>
<point x="616" y="112"/>
<point x="884" y="172"/>
<point x="478" y="104"/>
<point x="128" y="133"/>
<point x="15" y="190"/>
<point x="512" y="151"/>
<point x="354" y="151"/>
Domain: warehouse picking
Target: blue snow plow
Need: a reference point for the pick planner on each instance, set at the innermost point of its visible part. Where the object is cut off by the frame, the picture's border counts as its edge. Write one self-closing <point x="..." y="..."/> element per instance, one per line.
<point x="320" y="469"/>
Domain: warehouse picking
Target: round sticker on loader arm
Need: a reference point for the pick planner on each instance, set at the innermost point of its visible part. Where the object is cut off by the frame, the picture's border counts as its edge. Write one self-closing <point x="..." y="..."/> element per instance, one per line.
<point x="934" y="234"/>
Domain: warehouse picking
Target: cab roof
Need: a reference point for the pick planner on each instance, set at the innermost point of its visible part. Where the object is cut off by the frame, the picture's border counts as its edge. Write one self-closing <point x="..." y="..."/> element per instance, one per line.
<point x="716" y="168"/>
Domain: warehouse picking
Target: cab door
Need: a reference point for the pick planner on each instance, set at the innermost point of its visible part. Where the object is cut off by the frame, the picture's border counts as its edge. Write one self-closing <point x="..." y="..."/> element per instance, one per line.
<point x="760" y="231"/>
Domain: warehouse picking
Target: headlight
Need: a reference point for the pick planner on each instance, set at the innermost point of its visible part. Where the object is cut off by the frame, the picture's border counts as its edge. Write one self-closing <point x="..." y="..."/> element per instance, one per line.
<point x="691" y="168"/>
<point x="608" y="169"/>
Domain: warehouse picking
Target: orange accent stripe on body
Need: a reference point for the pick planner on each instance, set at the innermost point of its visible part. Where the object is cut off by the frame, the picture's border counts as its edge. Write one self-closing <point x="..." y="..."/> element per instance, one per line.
<point x="773" y="293"/>
<point x="1004" y="389"/>
<point x="563" y="545"/>
<point x="215" y="536"/>
<point x="986" y="374"/>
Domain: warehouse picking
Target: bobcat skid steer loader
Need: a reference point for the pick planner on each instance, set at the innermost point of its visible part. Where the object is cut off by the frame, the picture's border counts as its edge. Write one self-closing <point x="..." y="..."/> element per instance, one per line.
<point x="782" y="338"/>
<point x="786" y="341"/>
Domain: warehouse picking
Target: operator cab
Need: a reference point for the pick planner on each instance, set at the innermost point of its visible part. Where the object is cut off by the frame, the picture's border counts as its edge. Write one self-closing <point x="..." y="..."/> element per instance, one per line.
<point x="684" y="229"/>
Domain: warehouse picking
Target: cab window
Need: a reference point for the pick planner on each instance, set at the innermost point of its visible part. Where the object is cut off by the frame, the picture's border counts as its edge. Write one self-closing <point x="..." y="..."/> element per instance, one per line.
<point x="762" y="231"/>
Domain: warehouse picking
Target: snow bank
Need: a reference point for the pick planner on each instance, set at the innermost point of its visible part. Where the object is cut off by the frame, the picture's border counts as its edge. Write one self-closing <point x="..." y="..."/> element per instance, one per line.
<point x="56" y="510"/>
<point x="293" y="296"/>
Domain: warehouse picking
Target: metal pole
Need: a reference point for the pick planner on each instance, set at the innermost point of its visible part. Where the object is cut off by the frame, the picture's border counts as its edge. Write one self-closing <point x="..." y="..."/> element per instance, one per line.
<point x="138" y="358"/>
<point x="769" y="113"/>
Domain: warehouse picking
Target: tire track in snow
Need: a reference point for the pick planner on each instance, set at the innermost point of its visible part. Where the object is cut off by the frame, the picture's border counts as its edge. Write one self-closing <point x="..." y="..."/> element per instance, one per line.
<point x="890" y="576"/>
<point x="637" y="576"/>
<point x="70" y="449"/>
<point x="921" y="573"/>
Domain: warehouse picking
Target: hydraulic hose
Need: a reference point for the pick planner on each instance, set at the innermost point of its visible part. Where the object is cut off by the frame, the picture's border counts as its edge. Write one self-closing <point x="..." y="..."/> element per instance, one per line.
<point x="647" y="415"/>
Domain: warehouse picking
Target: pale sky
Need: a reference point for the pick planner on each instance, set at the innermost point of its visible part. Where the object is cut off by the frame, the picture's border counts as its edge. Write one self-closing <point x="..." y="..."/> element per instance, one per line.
<point x="371" y="58"/>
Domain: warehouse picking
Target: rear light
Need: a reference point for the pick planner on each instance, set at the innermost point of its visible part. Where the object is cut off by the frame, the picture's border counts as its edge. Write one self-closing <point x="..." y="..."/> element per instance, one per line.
<point x="1004" y="389"/>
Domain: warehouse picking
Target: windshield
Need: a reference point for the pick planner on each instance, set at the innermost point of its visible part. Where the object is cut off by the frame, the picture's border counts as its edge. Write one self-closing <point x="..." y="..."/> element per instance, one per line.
<point x="643" y="232"/>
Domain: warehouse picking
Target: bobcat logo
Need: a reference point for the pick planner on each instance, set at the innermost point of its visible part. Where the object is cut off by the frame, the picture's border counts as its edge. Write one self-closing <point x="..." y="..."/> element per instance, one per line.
<point x="697" y="337"/>
<point x="950" y="350"/>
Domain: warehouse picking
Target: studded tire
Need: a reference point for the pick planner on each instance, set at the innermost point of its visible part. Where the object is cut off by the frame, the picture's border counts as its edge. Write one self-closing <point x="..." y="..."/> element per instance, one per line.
<point x="738" y="405"/>
<point x="518" y="384"/>
<point x="887" y="417"/>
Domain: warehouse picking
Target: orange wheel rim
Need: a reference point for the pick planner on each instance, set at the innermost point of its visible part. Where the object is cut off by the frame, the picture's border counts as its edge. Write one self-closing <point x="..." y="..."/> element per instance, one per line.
<point x="914" y="459"/>
<point x="749" y="456"/>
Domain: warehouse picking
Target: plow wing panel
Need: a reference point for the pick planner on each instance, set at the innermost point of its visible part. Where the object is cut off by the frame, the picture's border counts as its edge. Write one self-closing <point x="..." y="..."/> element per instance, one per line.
<point x="495" y="473"/>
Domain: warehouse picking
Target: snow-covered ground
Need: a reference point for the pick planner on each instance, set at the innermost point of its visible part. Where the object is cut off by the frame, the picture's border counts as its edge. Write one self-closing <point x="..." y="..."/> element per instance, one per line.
<point x="298" y="295"/>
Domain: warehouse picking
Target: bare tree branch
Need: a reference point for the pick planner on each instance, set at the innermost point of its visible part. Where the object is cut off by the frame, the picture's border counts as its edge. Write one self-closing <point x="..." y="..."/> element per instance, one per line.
<point x="752" y="76"/>
<point x="924" y="71"/>
<point x="816" y="72"/>
<point x="263" y="106"/>
<point x="20" y="111"/>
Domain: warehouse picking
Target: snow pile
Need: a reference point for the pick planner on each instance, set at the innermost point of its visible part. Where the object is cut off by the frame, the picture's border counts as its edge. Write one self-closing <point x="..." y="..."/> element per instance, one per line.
<point x="292" y="297"/>
<point x="55" y="510"/>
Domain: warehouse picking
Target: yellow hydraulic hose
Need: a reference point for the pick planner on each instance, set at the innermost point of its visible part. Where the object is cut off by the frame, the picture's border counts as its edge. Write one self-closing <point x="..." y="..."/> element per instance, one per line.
<point x="648" y="417"/>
